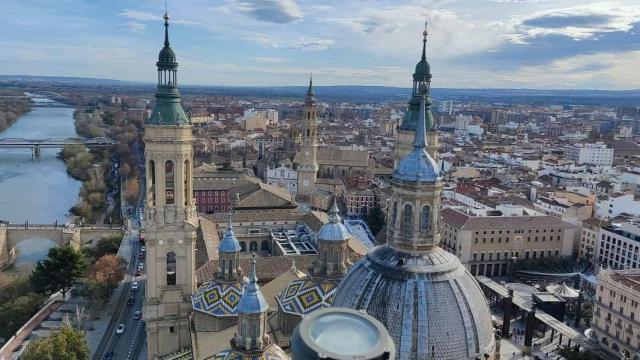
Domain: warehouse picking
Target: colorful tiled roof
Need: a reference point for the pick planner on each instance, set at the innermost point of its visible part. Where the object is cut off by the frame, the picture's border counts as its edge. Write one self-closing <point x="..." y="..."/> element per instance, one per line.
<point x="218" y="299"/>
<point x="306" y="295"/>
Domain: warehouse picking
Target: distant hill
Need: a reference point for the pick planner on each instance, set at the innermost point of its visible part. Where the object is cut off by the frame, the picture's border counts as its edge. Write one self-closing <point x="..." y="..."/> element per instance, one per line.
<point x="348" y="93"/>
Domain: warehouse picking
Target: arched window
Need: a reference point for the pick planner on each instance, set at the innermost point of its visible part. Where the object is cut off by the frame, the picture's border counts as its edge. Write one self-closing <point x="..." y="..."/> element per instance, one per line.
<point x="308" y="132"/>
<point x="223" y="265"/>
<point x="187" y="183"/>
<point x="152" y="182"/>
<point x="243" y="246"/>
<point x="424" y="218"/>
<point x="169" y="182"/>
<point x="407" y="221"/>
<point x="171" y="268"/>
<point x="264" y="246"/>
<point x="253" y="246"/>
<point x="615" y="347"/>
<point x="230" y="267"/>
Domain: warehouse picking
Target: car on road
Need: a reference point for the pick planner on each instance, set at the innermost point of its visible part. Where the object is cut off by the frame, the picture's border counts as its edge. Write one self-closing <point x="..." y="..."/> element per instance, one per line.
<point x="143" y="249"/>
<point x="120" y="329"/>
<point x="140" y="266"/>
<point x="141" y="255"/>
<point x="137" y="315"/>
<point x="138" y="272"/>
<point x="135" y="286"/>
<point x="108" y="355"/>
<point x="131" y="301"/>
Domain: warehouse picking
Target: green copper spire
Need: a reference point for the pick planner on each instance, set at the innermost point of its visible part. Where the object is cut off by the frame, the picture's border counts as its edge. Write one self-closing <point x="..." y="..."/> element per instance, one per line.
<point x="168" y="110"/>
<point x="421" y="74"/>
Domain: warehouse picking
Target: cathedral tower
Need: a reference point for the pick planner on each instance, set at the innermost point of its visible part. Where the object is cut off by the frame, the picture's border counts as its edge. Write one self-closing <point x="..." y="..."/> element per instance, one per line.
<point x="407" y="129"/>
<point x="170" y="219"/>
<point x="431" y="305"/>
<point x="308" y="167"/>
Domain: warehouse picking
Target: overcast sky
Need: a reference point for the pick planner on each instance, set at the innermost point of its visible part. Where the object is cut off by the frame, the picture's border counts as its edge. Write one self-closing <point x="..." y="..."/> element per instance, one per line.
<point x="559" y="44"/>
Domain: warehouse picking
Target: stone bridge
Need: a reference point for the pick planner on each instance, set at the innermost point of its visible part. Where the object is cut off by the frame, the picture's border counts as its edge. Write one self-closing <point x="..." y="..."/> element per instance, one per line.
<point x="12" y="234"/>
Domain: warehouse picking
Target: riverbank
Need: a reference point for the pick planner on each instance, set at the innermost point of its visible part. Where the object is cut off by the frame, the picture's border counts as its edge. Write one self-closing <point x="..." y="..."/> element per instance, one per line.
<point x="11" y="109"/>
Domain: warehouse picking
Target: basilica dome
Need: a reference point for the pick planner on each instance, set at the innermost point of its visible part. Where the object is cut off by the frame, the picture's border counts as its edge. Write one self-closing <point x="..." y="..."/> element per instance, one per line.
<point x="429" y="302"/>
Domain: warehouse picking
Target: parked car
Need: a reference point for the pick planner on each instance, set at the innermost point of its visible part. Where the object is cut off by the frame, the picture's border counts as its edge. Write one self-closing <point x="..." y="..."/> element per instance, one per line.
<point x="120" y="329"/>
<point x="138" y="272"/>
<point x="131" y="301"/>
<point x="135" y="285"/>
<point x="140" y="266"/>
<point x="141" y="255"/>
<point x="143" y="249"/>
<point x="108" y="355"/>
<point x="137" y="315"/>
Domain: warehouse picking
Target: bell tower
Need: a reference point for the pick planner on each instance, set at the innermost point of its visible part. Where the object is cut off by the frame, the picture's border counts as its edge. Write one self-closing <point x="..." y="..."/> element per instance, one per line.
<point x="170" y="219"/>
<point x="406" y="130"/>
<point x="308" y="167"/>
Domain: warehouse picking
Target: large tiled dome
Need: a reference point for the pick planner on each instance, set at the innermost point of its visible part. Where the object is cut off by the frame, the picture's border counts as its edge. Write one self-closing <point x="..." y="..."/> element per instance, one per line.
<point x="429" y="302"/>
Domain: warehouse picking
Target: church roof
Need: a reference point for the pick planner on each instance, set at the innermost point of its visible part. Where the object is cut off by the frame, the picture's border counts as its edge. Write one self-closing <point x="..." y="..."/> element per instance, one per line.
<point x="217" y="298"/>
<point x="259" y="195"/>
<point x="338" y="157"/>
<point x="306" y="295"/>
<point x="428" y="301"/>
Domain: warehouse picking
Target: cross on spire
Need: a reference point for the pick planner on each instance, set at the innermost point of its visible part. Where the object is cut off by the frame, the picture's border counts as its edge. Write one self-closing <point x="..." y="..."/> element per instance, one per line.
<point x="424" y="40"/>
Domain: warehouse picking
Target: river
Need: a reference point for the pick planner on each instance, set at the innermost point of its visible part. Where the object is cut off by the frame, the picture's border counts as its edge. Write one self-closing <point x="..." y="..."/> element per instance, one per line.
<point x="37" y="190"/>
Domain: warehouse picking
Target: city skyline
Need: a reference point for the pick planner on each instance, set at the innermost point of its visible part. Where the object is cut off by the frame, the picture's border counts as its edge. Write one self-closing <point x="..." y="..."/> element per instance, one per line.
<point x="501" y="44"/>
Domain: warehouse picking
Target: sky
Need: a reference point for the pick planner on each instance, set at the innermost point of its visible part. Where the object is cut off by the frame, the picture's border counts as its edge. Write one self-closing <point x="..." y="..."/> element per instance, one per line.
<point x="543" y="44"/>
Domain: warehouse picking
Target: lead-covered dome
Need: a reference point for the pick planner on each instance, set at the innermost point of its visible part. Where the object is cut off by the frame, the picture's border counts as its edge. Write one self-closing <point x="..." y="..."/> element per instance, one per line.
<point x="429" y="303"/>
<point x="334" y="230"/>
<point x="417" y="166"/>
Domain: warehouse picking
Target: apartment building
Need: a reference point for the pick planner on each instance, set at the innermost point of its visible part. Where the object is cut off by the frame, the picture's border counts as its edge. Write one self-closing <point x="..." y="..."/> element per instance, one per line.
<point x="615" y="314"/>
<point x="593" y="154"/>
<point x="487" y="244"/>
<point x="619" y="245"/>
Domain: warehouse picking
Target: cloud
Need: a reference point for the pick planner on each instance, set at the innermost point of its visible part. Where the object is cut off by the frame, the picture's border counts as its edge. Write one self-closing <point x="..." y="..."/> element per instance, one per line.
<point x="274" y="11"/>
<point x="397" y="31"/>
<point x="269" y="59"/>
<point x="579" y="22"/>
<point x="311" y="44"/>
<point x="262" y="39"/>
<point x="139" y="15"/>
<point x="134" y="26"/>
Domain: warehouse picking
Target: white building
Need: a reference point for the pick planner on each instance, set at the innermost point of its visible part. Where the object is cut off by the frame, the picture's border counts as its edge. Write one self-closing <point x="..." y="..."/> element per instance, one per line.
<point x="284" y="177"/>
<point x="594" y="154"/>
<point x="608" y="207"/>
<point x="618" y="246"/>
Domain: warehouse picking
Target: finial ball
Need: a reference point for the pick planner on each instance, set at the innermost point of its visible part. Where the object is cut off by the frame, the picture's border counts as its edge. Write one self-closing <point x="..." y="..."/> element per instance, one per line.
<point x="166" y="17"/>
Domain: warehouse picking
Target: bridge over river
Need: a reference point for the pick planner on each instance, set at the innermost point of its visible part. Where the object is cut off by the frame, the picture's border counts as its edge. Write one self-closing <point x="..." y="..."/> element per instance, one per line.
<point x="13" y="234"/>
<point x="36" y="144"/>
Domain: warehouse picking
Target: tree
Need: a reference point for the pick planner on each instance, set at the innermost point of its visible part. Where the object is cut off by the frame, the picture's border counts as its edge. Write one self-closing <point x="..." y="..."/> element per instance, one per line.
<point x="17" y="311"/>
<point x="58" y="271"/>
<point x="67" y="344"/>
<point x="109" y="269"/>
<point x="131" y="192"/>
